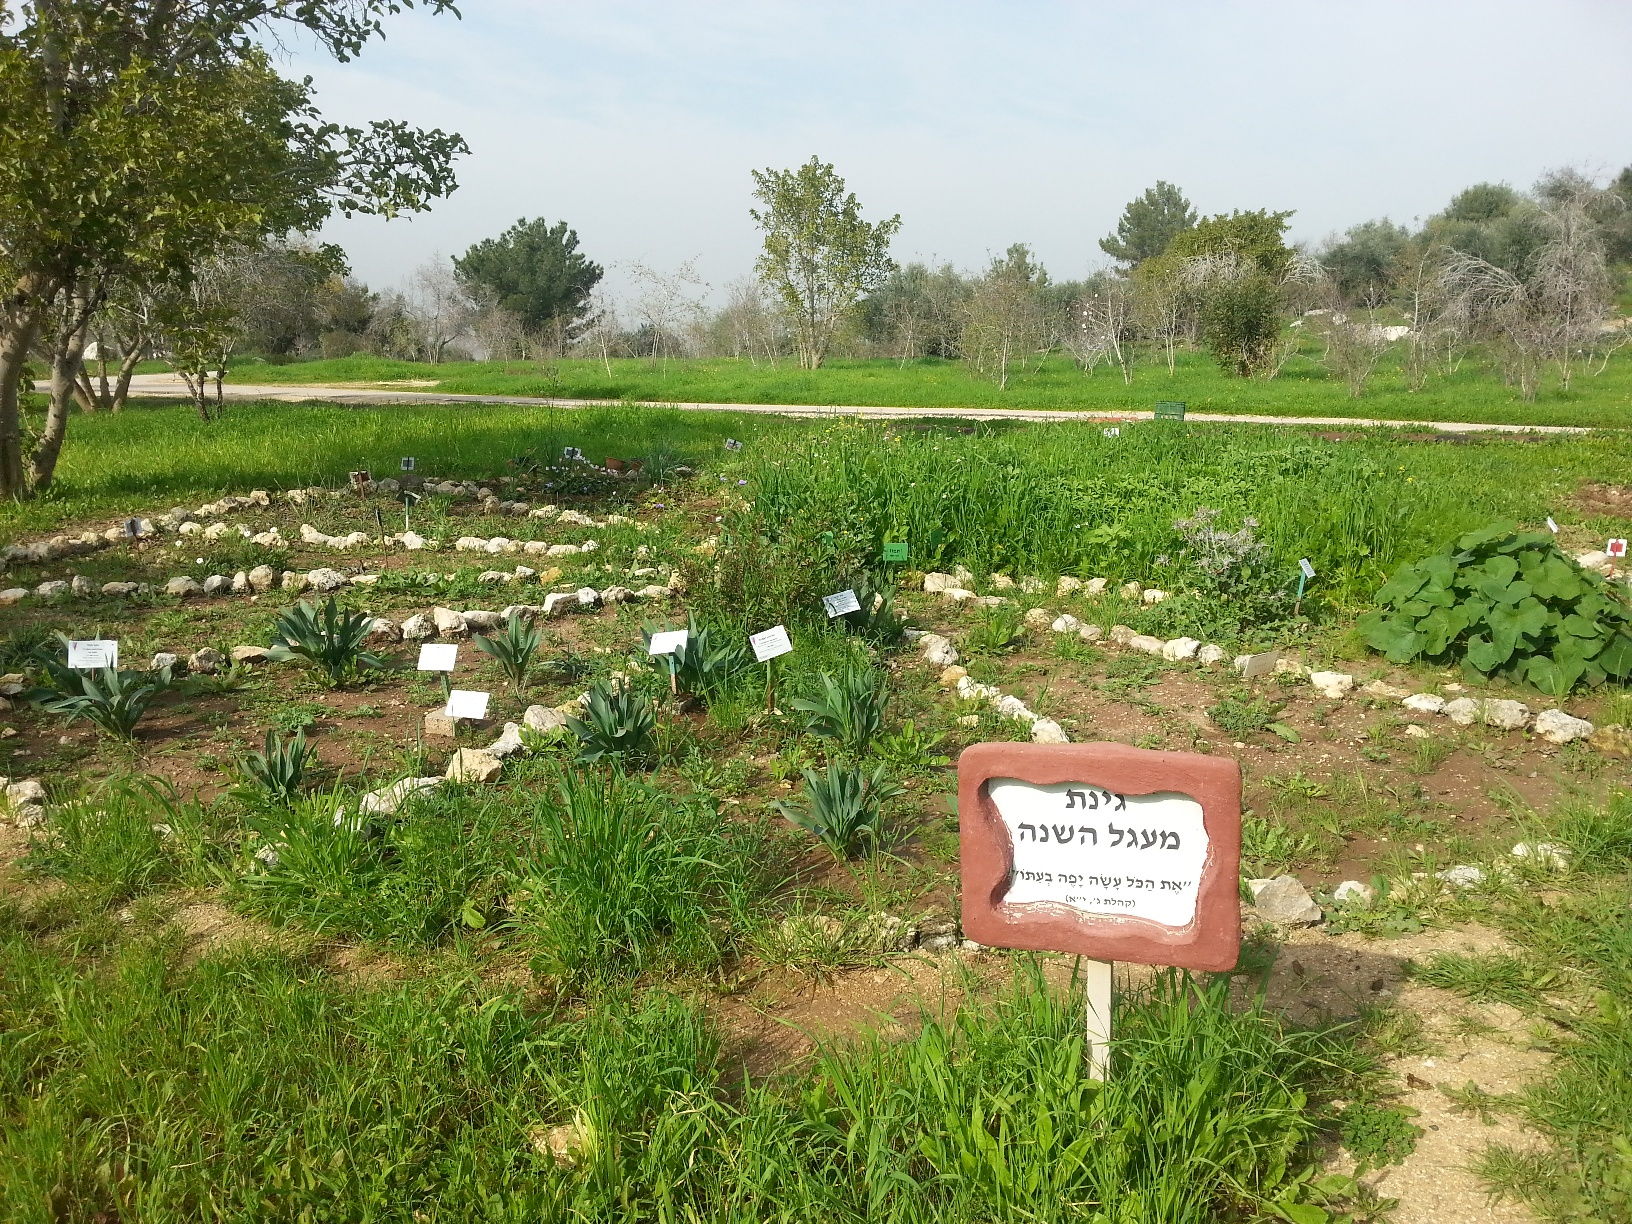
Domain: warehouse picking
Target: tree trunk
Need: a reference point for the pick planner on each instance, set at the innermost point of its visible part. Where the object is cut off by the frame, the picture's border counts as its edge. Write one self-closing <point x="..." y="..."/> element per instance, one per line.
<point x="67" y="367"/>
<point x="15" y="341"/>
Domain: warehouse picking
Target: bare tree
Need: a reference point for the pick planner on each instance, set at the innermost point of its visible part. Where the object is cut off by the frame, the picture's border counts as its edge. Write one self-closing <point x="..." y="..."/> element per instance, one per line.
<point x="667" y="305"/>
<point x="1555" y="312"/>
<point x="1004" y="322"/>
<point x="1164" y="310"/>
<point x="602" y="329"/>
<point x="1105" y="329"/>
<point x="1355" y="343"/>
<point x="439" y="305"/>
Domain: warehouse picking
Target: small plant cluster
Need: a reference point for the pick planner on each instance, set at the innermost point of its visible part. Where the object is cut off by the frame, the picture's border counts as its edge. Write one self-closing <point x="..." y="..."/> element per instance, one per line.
<point x="1235" y="568"/>
<point x="1505" y="603"/>
<point x="330" y="639"/>
<point x="109" y="698"/>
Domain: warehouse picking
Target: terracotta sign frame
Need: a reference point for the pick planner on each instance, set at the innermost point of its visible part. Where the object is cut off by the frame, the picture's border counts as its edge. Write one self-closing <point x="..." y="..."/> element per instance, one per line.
<point x="1212" y="939"/>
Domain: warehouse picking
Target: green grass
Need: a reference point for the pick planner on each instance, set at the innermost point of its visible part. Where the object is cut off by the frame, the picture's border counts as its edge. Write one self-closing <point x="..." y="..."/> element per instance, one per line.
<point x="1573" y="971"/>
<point x="1303" y="388"/>
<point x="255" y="1088"/>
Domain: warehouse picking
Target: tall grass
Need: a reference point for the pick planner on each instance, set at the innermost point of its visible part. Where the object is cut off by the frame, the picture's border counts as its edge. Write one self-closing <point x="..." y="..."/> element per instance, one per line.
<point x="251" y="1088"/>
<point x="1064" y="498"/>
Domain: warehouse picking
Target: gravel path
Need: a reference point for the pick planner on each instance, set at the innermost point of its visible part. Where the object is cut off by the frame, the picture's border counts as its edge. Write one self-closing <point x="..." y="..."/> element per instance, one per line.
<point x="171" y="385"/>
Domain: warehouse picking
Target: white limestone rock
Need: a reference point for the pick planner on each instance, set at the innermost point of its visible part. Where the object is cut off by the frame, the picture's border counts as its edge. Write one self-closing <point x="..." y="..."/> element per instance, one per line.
<point x="476" y="765"/>
<point x="449" y="623"/>
<point x="1181" y="650"/>
<point x="1065" y="624"/>
<point x="1332" y="685"/>
<point x="1557" y="727"/>
<point x="1047" y="731"/>
<point x="323" y="579"/>
<point x="183" y="587"/>
<point x="1424" y="703"/>
<point x="418" y="628"/>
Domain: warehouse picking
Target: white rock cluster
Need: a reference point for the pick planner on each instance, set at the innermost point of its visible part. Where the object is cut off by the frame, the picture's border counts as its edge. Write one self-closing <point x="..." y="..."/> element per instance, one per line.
<point x="939" y="652"/>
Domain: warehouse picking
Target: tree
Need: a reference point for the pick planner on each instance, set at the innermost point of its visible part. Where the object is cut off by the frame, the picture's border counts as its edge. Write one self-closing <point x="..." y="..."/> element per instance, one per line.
<point x="438" y="306"/>
<point x="820" y="258"/>
<point x="1003" y="317"/>
<point x="1149" y="224"/>
<point x="535" y="271"/>
<point x="1361" y="262"/>
<point x="1239" y="267"/>
<point x="138" y="138"/>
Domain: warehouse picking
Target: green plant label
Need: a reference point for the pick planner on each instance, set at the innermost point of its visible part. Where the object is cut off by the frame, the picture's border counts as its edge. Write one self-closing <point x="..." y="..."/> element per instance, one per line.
<point x="895" y="550"/>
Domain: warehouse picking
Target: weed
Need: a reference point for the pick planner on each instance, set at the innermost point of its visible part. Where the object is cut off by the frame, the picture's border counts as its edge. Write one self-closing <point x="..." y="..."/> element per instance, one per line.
<point x="1241" y="711"/>
<point x="910" y="750"/>
<point x="1495" y="977"/>
<point x="1377" y="1135"/>
<point x="998" y="631"/>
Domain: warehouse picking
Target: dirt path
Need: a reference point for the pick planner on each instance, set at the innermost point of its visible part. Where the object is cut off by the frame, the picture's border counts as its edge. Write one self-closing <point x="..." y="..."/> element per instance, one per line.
<point x="171" y="386"/>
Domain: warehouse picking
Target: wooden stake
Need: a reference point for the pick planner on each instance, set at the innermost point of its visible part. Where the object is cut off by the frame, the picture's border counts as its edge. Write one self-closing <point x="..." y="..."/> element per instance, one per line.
<point x="1098" y="992"/>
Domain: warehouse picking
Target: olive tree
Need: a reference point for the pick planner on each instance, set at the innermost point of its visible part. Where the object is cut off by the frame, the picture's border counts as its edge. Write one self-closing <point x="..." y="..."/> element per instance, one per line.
<point x="820" y="258"/>
<point x="136" y="139"/>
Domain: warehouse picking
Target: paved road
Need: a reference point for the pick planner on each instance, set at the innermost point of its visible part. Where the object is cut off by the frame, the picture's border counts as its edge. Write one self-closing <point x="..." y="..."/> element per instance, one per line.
<point x="171" y="385"/>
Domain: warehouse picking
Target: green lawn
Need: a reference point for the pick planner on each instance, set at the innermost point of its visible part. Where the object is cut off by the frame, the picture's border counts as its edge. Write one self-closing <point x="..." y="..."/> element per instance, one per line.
<point x="1303" y="389"/>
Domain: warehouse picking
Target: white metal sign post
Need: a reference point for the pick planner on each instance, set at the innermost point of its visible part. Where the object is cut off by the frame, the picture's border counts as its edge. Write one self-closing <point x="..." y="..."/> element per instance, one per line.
<point x="1102" y="850"/>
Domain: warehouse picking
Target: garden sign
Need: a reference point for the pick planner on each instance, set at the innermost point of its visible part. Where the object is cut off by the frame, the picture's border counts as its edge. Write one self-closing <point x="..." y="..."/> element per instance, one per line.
<point x="1105" y="851"/>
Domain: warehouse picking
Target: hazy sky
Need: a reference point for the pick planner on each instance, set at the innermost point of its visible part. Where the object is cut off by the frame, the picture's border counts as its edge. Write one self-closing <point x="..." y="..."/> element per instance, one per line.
<point x="981" y="124"/>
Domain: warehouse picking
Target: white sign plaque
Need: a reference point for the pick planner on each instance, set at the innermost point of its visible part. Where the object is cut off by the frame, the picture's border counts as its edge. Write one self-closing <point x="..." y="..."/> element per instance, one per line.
<point x="1100" y="853"/>
<point x="438" y="656"/>
<point x="464" y="703"/>
<point x="93" y="655"/>
<point x="770" y="643"/>
<point x="1616" y="548"/>
<point x="1308" y="570"/>
<point x="667" y="642"/>
<point x="1112" y="431"/>
<point x="407" y="463"/>
<point x="1552" y="526"/>
<point x="839" y="604"/>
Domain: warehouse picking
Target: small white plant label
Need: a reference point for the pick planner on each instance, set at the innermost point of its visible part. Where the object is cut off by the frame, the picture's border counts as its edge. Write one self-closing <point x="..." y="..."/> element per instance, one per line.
<point x="1112" y="431"/>
<point x="438" y="656"/>
<point x="571" y="452"/>
<point x="1552" y="526"/>
<point x="465" y="703"/>
<point x="1101" y="853"/>
<point x="1308" y="570"/>
<point x="667" y="642"/>
<point x="731" y="444"/>
<point x="93" y="655"/>
<point x="839" y="604"/>
<point x="1616" y="548"/>
<point x="407" y="463"/>
<point x="770" y="643"/>
<point x="133" y="528"/>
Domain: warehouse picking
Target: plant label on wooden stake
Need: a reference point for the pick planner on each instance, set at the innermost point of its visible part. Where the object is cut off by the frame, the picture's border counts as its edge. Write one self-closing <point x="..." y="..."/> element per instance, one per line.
<point x="770" y="643"/>
<point x="438" y="656"/>
<point x="93" y="654"/>
<point x="465" y="703"/>
<point x="667" y="642"/>
<point x="841" y="603"/>
<point x="1103" y="851"/>
<point x="1615" y="548"/>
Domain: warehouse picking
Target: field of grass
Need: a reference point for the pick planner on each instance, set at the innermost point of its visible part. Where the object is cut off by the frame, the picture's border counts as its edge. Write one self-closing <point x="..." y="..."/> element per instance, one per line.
<point x="1473" y="393"/>
<point x="621" y="983"/>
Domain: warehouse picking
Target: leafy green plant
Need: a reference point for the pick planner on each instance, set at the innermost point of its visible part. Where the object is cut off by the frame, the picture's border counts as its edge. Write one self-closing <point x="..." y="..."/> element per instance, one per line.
<point x="842" y="806"/>
<point x="908" y="748"/>
<point x="998" y="631"/>
<point x="514" y="647"/>
<point x="330" y="639"/>
<point x="275" y="773"/>
<point x="617" y="723"/>
<point x="113" y="700"/>
<point x="705" y="663"/>
<point x="1378" y="1135"/>
<point x="876" y="620"/>
<point x="1505" y="603"/>
<point x="848" y="708"/>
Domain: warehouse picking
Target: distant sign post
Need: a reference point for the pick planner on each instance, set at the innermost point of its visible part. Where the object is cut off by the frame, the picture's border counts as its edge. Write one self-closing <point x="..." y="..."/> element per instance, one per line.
<point x="1170" y="410"/>
<point x="1105" y="851"/>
